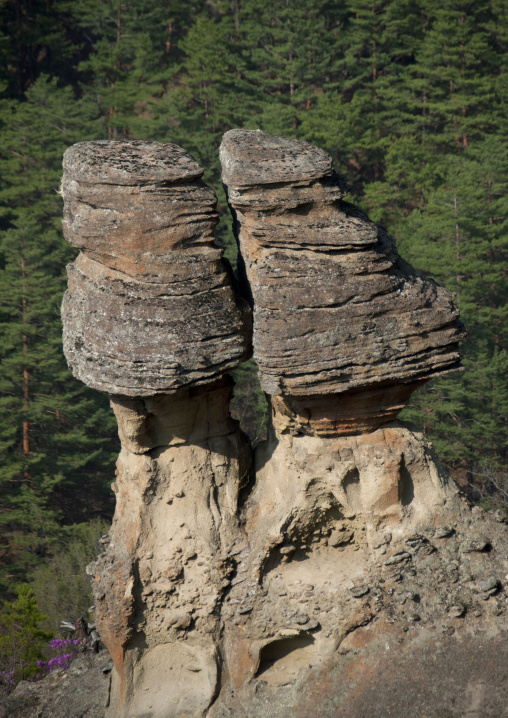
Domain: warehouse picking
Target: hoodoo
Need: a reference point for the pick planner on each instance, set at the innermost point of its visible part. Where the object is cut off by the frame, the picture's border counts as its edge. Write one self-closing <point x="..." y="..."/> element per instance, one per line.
<point x="151" y="319"/>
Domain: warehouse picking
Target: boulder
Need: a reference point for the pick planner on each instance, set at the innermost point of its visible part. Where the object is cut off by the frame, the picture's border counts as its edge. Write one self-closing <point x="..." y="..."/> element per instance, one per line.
<point x="150" y="306"/>
<point x="344" y="329"/>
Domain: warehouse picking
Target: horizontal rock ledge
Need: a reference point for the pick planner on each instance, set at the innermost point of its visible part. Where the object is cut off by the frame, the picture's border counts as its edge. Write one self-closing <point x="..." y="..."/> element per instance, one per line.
<point x="349" y="413"/>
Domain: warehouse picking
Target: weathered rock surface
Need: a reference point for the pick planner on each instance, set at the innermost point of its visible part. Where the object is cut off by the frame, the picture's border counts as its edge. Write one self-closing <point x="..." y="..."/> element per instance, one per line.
<point x="409" y="632"/>
<point x="83" y="691"/>
<point x="350" y="621"/>
<point x="160" y="584"/>
<point x="150" y="318"/>
<point x="338" y="567"/>
<point x="149" y="306"/>
<point x="337" y="313"/>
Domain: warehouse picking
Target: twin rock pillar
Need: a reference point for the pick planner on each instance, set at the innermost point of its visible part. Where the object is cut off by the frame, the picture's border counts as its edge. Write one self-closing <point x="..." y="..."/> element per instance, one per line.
<point x="208" y="603"/>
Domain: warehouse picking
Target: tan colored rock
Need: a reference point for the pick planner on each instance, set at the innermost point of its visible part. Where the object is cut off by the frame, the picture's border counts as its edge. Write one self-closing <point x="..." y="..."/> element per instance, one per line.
<point x="343" y="574"/>
<point x="342" y="325"/>
<point x="159" y="585"/>
<point x="150" y="318"/>
<point x="149" y="306"/>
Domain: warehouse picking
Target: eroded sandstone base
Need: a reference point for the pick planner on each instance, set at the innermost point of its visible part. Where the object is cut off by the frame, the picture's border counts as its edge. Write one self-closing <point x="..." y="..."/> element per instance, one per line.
<point x="345" y="551"/>
<point x="159" y="586"/>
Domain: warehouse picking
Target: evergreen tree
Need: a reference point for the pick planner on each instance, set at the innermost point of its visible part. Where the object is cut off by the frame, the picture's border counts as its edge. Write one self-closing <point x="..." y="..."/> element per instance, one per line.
<point x="22" y="641"/>
<point x="55" y="435"/>
<point x="461" y="239"/>
<point x="38" y="37"/>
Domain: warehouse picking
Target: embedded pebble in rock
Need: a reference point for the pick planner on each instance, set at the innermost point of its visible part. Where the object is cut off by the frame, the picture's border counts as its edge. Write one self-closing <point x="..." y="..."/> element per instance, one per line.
<point x="413" y="617"/>
<point x="397" y="558"/>
<point x="382" y="540"/>
<point x="457" y="611"/>
<point x="359" y="591"/>
<point x="443" y="532"/>
<point x="474" y="545"/>
<point x="301" y="619"/>
<point x="487" y="584"/>
<point x="244" y="609"/>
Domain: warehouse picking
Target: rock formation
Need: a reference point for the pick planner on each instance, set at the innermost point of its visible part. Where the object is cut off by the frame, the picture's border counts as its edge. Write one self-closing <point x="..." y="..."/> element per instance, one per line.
<point x="151" y="319"/>
<point x="344" y="330"/>
<point x="149" y="307"/>
<point x="247" y="586"/>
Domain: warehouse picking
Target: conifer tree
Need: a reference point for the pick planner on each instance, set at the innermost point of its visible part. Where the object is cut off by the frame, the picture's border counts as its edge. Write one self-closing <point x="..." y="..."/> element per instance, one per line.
<point x="22" y="640"/>
<point x="55" y="435"/>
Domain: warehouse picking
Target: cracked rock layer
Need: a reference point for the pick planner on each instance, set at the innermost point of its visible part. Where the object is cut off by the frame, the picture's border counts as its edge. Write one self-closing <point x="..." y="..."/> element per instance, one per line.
<point x="336" y="310"/>
<point x="149" y="307"/>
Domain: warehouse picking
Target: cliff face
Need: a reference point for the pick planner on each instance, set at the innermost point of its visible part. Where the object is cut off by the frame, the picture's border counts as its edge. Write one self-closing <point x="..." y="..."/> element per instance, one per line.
<point x="234" y="581"/>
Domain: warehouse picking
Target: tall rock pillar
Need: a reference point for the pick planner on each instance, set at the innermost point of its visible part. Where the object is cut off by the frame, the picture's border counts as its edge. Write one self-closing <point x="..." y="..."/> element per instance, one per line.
<point x="150" y="318"/>
<point x="343" y="331"/>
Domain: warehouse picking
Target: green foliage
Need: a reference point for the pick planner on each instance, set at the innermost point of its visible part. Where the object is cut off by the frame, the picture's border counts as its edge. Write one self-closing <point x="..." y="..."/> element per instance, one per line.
<point x="249" y="405"/>
<point x="56" y="437"/>
<point x="22" y="641"/>
<point x="61" y="585"/>
<point x="461" y="239"/>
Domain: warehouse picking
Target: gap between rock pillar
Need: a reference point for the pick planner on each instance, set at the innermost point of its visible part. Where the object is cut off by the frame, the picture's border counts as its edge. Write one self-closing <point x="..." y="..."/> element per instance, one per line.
<point x="343" y="332"/>
<point x="151" y="319"/>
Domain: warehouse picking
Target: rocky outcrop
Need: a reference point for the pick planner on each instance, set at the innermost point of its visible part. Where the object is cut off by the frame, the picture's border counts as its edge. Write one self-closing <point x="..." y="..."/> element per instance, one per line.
<point x="259" y="586"/>
<point x="344" y="329"/>
<point x="82" y="691"/>
<point x="347" y="623"/>
<point x="149" y="306"/>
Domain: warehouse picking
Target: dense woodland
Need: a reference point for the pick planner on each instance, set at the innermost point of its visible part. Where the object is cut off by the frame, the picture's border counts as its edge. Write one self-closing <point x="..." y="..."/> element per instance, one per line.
<point x="409" y="96"/>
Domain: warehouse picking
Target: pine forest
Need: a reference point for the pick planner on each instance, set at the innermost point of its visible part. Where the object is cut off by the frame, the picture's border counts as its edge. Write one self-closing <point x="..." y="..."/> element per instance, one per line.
<point x="410" y="97"/>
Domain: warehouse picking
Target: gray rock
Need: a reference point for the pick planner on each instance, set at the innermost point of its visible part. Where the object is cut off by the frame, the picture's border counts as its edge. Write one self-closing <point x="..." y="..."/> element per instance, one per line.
<point x="488" y="584"/>
<point x="83" y="690"/>
<point x="443" y="532"/>
<point x="359" y="591"/>
<point x="474" y="546"/>
<point x="244" y="609"/>
<point x="397" y="558"/>
<point x="149" y="306"/>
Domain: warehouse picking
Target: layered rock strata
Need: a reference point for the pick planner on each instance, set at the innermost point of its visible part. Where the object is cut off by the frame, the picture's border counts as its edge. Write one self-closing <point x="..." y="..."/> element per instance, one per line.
<point x="149" y="306"/>
<point x="344" y="329"/>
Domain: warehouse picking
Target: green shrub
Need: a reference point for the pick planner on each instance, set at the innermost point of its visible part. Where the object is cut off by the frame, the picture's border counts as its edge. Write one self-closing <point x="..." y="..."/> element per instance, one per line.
<point x="61" y="586"/>
<point x="22" y="640"/>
